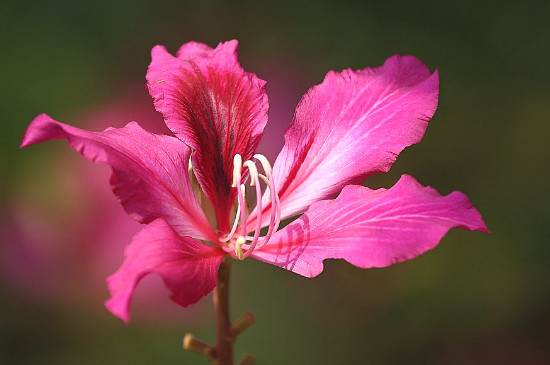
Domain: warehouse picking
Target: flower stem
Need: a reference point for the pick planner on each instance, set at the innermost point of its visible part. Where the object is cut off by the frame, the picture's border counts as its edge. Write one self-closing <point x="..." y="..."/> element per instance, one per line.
<point x="224" y="344"/>
<point x="227" y="332"/>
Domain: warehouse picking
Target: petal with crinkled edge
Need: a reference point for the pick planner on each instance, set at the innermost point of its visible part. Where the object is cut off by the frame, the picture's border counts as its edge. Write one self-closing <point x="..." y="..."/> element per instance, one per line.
<point x="187" y="267"/>
<point x="370" y="228"/>
<point x="214" y="106"/>
<point x="150" y="172"/>
<point x="351" y="126"/>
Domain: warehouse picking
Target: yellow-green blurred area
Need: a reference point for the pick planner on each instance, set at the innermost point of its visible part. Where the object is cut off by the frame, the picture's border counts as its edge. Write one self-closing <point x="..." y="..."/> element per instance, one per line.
<point x="475" y="299"/>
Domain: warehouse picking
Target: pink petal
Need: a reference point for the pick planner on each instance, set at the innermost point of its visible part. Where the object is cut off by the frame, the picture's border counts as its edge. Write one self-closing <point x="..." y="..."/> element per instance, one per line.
<point x="150" y="172"/>
<point x="370" y="228"/>
<point x="187" y="267"/>
<point x="351" y="126"/>
<point x="214" y="106"/>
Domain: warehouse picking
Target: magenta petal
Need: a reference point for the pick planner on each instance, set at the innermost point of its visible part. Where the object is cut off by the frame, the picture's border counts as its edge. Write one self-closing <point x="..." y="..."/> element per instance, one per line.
<point x="150" y="172"/>
<point x="214" y="106"/>
<point x="370" y="228"/>
<point x="187" y="267"/>
<point x="351" y="126"/>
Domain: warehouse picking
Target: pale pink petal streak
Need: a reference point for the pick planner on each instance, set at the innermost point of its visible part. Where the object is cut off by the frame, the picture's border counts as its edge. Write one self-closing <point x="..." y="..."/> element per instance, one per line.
<point x="150" y="172"/>
<point x="351" y="126"/>
<point x="187" y="267"/>
<point x="370" y="228"/>
<point x="214" y="106"/>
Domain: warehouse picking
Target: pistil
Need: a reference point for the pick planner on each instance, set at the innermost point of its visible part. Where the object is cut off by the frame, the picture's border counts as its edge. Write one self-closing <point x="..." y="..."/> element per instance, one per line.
<point x="254" y="181"/>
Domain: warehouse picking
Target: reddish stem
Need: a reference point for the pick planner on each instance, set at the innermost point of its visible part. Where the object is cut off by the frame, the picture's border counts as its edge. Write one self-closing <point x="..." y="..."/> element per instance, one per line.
<point x="224" y="344"/>
<point x="227" y="332"/>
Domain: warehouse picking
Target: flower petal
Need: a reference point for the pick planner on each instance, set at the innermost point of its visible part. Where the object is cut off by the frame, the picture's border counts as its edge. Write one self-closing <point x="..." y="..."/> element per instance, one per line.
<point x="351" y="126"/>
<point x="214" y="106"/>
<point x="150" y="172"/>
<point x="187" y="267"/>
<point x="370" y="228"/>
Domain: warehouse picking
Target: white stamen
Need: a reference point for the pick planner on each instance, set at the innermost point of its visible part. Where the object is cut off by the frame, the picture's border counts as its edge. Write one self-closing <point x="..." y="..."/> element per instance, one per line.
<point x="242" y="204"/>
<point x="241" y="213"/>
<point x="275" y="206"/>
<point x="234" y="228"/>
<point x="241" y="192"/>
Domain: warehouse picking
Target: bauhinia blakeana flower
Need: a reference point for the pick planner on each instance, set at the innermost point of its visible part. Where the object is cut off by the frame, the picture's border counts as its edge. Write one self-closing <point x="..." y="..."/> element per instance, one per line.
<point x="190" y="189"/>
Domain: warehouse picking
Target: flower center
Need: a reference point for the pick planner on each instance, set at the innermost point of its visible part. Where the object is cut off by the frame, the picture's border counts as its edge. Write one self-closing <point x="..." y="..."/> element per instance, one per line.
<point x="240" y="243"/>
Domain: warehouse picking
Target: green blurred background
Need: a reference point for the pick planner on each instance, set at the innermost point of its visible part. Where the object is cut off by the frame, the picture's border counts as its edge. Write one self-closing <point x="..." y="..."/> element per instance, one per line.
<point x="476" y="299"/>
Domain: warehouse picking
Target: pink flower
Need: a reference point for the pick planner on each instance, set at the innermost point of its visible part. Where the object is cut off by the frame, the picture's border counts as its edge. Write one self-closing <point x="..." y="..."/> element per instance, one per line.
<point x="189" y="189"/>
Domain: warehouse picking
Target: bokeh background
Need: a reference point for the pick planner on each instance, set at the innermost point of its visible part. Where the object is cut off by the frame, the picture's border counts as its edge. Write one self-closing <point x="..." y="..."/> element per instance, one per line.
<point x="476" y="299"/>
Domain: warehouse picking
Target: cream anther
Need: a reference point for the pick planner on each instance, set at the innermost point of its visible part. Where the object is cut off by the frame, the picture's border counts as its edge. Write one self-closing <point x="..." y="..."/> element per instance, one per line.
<point x="265" y="164"/>
<point x="237" y="166"/>
<point x="253" y="172"/>
<point x="264" y="179"/>
<point x="243" y="189"/>
<point x="238" y="247"/>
